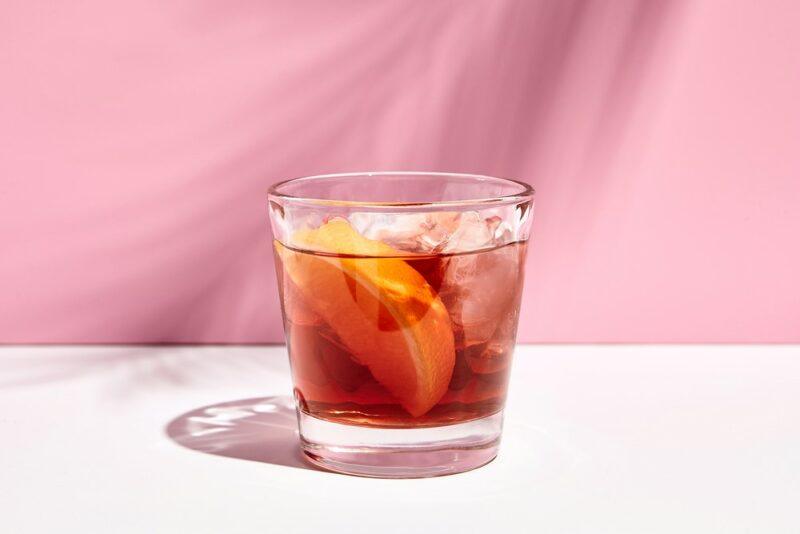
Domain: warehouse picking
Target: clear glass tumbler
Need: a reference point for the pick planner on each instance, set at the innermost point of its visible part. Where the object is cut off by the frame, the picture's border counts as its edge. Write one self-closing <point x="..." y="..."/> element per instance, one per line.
<point x="400" y="294"/>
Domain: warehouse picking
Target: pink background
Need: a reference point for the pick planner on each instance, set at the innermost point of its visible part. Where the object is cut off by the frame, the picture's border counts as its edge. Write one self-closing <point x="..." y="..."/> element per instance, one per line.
<point x="137" y="139"/>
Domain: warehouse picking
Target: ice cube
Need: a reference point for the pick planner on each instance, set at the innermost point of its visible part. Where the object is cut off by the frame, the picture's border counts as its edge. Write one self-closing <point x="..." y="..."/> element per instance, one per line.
<point x="495" y="355"/>
<point x="434" y="232"/>
<point x="439" y="227"/>
<point x="397" y="230"/>
<point x="470" y="232"/>
<point x="478" y="289"/>
<point x="412" y="232"/>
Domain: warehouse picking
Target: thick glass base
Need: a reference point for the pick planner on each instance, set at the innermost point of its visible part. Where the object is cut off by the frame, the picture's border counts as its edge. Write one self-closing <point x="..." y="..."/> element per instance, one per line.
<point x="400" y="452"/>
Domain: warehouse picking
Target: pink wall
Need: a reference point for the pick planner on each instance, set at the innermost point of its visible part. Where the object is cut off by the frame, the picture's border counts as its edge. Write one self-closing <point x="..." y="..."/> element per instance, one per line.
<point x="137" y="139"/>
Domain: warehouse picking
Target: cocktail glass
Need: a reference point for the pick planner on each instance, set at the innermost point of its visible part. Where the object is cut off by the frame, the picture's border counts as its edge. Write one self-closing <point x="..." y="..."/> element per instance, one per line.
<point x="400" y="295"/>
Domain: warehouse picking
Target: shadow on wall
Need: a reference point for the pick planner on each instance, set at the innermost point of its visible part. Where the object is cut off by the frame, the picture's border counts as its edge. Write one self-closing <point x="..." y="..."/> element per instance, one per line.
<point x="173" y="246"/>
<point x="483" y="88"/>
<point x="260" y="430"/>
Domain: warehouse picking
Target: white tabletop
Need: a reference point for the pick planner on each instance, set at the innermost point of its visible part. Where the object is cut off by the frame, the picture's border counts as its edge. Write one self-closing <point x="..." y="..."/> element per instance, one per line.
<point x="617" y="439"/>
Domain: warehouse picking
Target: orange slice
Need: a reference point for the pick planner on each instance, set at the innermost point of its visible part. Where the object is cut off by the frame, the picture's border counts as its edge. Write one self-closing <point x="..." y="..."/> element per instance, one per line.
<point x="381" y="308"/>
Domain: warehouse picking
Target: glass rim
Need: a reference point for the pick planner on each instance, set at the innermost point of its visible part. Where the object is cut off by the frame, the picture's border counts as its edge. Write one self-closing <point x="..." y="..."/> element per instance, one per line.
<point x="526" y="194"/>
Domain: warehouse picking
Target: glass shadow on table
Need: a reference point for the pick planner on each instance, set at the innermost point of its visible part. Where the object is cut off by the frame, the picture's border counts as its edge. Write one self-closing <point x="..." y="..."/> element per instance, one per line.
<point x="260" y="430"/>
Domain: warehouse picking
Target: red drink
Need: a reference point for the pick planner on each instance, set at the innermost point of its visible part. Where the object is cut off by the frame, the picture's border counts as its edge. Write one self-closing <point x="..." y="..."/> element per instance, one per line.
<point x="399" y="341"/>
<point x="400" y="295"/>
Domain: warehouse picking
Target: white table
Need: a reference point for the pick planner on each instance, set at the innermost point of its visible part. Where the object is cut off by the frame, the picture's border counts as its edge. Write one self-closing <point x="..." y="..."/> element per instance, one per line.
<point x="616" y="439"/>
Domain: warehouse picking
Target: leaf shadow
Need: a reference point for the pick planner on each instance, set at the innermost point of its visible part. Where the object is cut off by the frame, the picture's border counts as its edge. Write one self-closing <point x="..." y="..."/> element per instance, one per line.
<point x="259" y="430"/>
